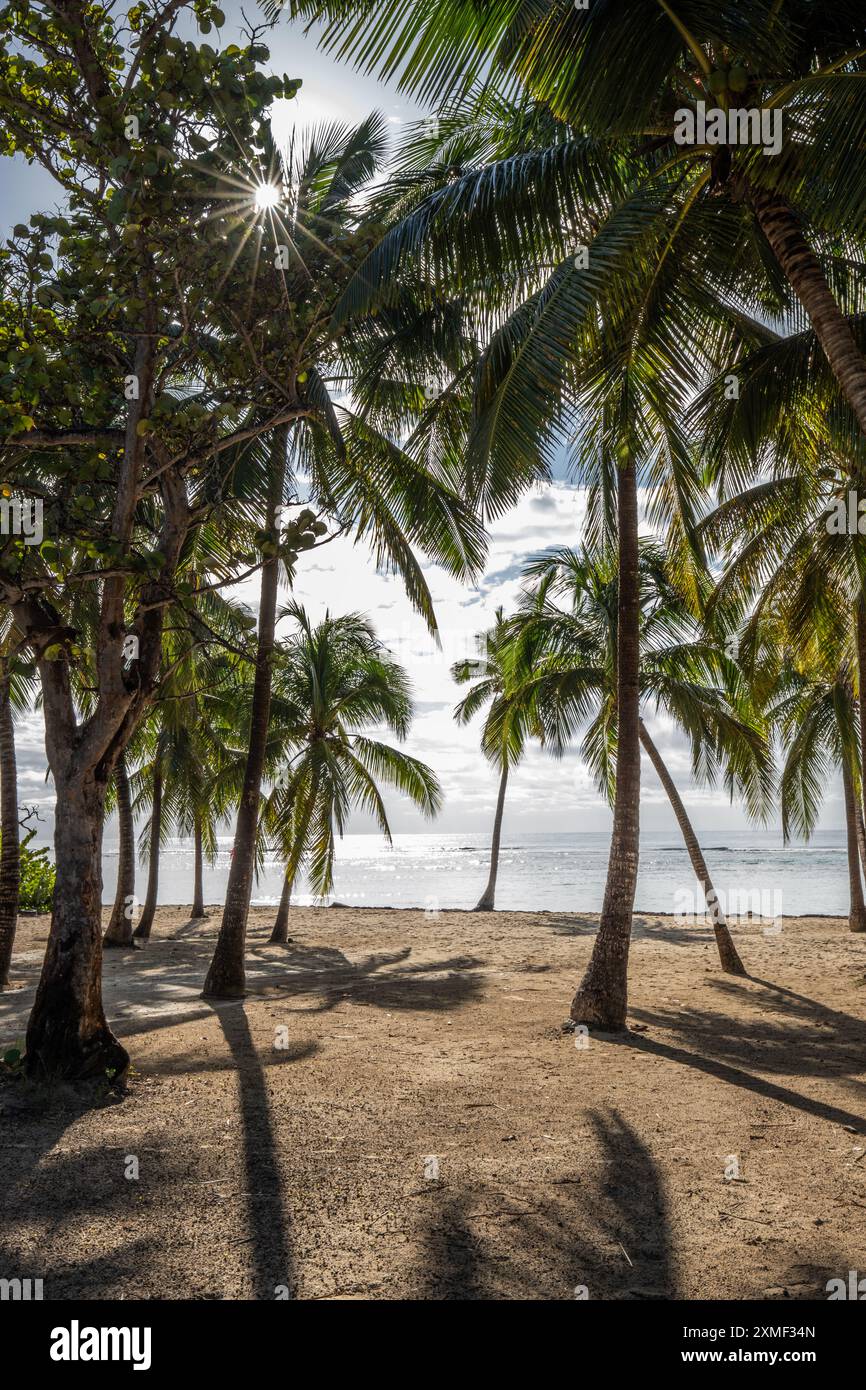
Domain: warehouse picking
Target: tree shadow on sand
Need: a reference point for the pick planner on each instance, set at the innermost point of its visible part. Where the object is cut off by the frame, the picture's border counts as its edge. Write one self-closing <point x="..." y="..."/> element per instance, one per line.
<point x="603" y="1227"/>
<point x="722" y="1046"/>
<point x="267" y="1216"/>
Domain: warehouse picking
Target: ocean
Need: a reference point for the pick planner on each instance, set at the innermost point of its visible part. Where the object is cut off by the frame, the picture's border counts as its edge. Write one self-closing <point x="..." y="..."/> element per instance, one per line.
<point x="565" y="872"/>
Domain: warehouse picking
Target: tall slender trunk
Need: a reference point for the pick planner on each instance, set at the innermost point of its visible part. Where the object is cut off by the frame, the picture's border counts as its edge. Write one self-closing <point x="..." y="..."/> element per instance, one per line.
<point x="857" y="911"/>
<point x="226" y="978"/>
<point x="119" y="932"/>
<point x="280" y="934"/>
<point x="10" y="853"/>
<point x="198" y="879"/>
<point x="68" y="1035"/>
<point x="861" y="833"/>
<point x="727" y="950"/>
<point x="861" y="706"/>
<point x="602" y="999"/>
<point x="145" y="925"/>
<point x="781" y="227"/>
<point x="486" y="901"/>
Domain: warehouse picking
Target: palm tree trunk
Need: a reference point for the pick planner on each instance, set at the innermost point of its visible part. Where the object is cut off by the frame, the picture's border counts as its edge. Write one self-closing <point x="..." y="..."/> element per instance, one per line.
<point x="861" y="833"/>
<point x="119" y="931"/>
<point x="861" y="706"/>
<point x="226" y="978"/>
<point x="781" y="227"/>
<point x="727" y="950"/>
<point x="10" y="854"/>
<point x="602" y="999"/>
<point x="857" y="911"/>
<point x="485" y="902"/>
<point x="143" y="930"/>
<point x="280" y="934"/>
<point x="198" y="879"/>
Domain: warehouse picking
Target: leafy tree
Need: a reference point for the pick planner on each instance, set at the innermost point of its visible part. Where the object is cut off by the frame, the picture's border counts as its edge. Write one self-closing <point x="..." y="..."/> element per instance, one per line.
<point x="145" y="361"/>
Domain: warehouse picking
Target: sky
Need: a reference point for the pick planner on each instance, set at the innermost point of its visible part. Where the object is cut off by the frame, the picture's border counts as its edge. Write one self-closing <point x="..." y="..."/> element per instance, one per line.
<point x="544" y="794"/>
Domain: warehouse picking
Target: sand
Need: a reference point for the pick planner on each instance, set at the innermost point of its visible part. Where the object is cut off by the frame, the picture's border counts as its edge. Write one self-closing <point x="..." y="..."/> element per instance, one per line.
<point x="395" y="1112"/>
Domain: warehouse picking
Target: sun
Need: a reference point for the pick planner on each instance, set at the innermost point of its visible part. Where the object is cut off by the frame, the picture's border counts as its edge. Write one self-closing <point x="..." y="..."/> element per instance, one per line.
<point x="267" y="196"/>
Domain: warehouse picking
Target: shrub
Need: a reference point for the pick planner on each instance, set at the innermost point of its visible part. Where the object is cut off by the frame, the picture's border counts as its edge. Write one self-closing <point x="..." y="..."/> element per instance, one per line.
<point x="37" y="879"/>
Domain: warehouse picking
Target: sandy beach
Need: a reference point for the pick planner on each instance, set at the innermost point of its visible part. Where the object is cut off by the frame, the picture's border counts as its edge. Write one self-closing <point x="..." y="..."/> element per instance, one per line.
<point x="396" y="1112"/>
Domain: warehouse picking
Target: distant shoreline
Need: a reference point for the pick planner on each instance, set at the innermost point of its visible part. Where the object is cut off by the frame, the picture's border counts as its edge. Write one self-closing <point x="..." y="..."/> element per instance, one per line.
<point x="211" y="908"/>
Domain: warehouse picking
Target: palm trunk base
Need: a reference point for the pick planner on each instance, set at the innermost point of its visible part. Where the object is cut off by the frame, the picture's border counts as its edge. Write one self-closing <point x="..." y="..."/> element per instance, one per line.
<point x="143" y="930"/>
<point x="484" y="904"/>
<point x="226" y="978"/>
<point x="857" y="919"/>
<point x="728" y="954"/>
<point x="56" y="1052"/>
<point x="601" y="1002"/>
<point x="280" y="934"/>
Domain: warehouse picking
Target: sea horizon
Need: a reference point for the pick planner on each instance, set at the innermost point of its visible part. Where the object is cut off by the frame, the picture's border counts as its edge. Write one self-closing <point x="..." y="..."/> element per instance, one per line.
<point x="752" y="871"/>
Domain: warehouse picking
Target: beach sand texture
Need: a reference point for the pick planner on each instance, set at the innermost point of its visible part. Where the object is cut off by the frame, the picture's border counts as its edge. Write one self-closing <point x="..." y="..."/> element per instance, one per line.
<point x="290" y="1144"/>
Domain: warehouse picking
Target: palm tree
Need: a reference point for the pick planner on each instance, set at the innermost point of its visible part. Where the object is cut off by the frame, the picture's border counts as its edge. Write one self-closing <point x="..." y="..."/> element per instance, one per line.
<point x="815" y="711"/>
<point x="332" y="681"/>
<point x="626" y="72"/>
<point x="564" y="653"/>
<point x="119" y="932"/>
<point x="504" y="731"/>
<point x="357" y="475"/>
<point x="151" y="778"/>
<point x="782" y="456"/>
<point x="675" y="244"/>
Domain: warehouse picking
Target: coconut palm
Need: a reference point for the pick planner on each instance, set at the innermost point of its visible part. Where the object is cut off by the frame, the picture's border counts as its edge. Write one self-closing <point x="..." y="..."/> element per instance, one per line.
<point x="674" y="243"/>
<point x="633" y="72"/>
<point x="785" y="457"/>
<point x="119" y="931"/>
<point x="357" y="475"/>
<point x="504" y="731"/>
<point x="563" y="658"/>
<point x="815" y="712"/>
<point x="333" y="684"/>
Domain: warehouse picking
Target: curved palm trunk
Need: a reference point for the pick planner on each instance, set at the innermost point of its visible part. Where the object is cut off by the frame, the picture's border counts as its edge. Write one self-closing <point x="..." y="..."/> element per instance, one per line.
<point x="10" y="854"/>
<point x="226" y="978"/>
<point x="857" y="911"/>
<point x="280" y="934"/>
<point x="119" y="932"/>
<point x="801" y="267"/>
<point x="727" y="950"/>
<point x="198" y="881"/>
<point x="486" y="901"/>
<point x="145" y="926"/>
<point x="602" y="998"/>
<point x="68" y="1035"/>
